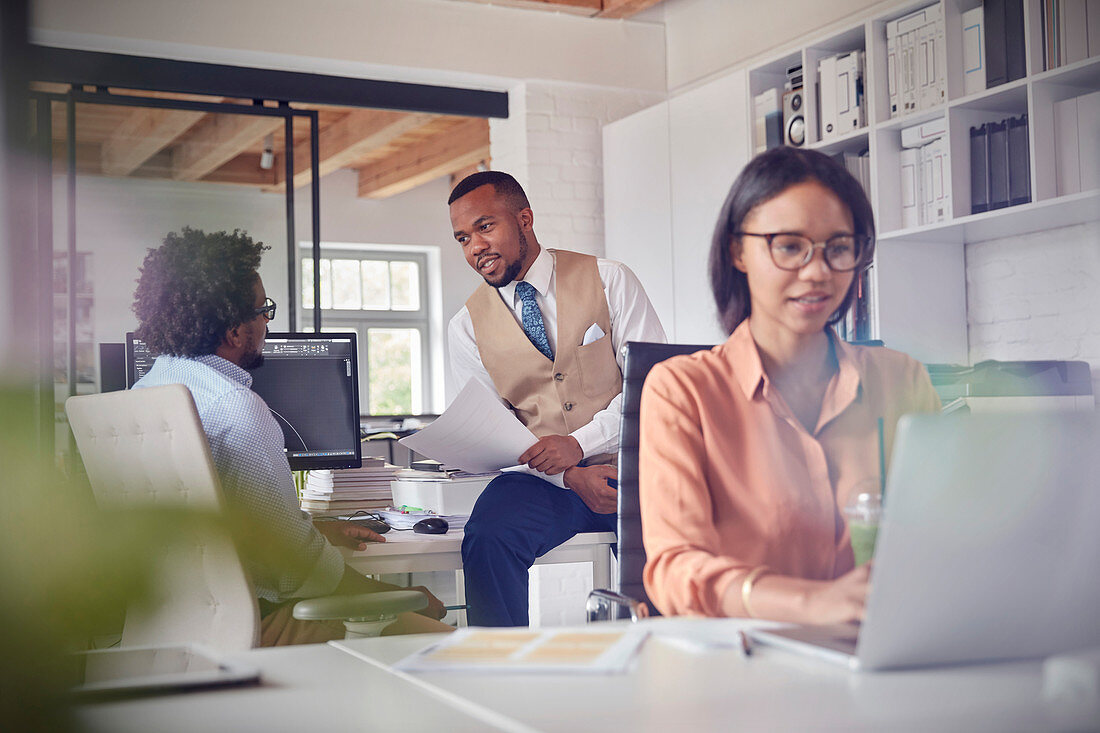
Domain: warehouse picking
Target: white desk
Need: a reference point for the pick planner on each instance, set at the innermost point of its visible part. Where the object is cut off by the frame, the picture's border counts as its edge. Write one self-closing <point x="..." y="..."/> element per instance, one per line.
<point x="669" y="690"/>
<point x="407" y="552"/>
<point x="303" y="688"/>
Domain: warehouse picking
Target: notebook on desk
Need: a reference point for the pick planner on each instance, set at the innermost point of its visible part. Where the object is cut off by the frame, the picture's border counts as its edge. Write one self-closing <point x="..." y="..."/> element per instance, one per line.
<point x="988" y="550"/>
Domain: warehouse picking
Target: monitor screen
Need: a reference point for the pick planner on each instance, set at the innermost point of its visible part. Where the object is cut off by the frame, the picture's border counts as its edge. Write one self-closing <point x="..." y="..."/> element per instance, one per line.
<point x="309" y="381"/>
<point x="112" y="367"/>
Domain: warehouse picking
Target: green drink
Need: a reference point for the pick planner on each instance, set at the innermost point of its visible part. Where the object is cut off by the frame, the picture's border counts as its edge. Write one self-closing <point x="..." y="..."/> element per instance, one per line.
<point x="863" y="512"/>
<point x="863" y="536"/>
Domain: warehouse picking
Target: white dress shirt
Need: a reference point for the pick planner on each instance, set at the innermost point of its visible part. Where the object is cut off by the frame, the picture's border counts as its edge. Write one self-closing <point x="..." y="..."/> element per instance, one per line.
<point x="632" y="319"/>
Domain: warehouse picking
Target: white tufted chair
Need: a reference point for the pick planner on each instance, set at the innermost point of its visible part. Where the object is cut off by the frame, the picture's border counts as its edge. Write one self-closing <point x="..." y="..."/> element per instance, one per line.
<point x="147" y="448"/>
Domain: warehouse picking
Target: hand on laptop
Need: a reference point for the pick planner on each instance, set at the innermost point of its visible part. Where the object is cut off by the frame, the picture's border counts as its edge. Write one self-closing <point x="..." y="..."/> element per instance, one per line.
<point x="842" y="600"/>
<point x="552" y="454"/>
<point x="804" y="601"/>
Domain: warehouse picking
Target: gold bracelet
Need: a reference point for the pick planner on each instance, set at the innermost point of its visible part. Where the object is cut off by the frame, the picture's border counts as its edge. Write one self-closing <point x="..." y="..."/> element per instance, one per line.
<point x="746" y="587"/>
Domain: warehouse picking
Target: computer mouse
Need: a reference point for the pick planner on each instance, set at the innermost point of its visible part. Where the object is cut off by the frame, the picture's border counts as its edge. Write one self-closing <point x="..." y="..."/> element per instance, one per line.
<point x="431" y="525"/>
<point x="374" y="525"/>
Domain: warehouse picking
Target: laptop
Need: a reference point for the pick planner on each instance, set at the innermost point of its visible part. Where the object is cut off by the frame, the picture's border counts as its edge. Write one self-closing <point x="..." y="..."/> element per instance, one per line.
<point x="988" y="549"/>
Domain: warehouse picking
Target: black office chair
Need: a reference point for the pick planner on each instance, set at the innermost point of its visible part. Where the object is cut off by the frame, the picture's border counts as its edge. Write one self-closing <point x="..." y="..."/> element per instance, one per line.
<point x="631" y="599"/>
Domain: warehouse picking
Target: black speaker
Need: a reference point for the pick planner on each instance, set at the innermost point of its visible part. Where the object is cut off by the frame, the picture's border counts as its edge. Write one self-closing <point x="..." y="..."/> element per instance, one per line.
<point x="794" y="118"/>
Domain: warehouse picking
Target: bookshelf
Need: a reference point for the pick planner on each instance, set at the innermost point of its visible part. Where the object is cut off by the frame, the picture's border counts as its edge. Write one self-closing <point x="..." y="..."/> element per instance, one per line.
<point x="918" y="283"/>
<point x="688" y="149"/>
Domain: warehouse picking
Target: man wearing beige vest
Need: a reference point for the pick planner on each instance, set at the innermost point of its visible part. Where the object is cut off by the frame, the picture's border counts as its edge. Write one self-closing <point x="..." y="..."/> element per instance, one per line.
<point x="544" y="332"/>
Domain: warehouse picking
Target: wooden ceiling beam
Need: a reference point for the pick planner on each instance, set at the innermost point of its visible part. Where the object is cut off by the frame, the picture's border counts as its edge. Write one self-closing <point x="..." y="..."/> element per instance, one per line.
<point x="458" y="147"/>
<point x="243" y="170"/>
<point x="216" y="140"/>
<point x="144" y="133"/>
<point x="590" y="8"/>
<point x="348" y="140"/>
<point x="88" y="158"/>
<point x="579" y="7"/>
<point x="624" y="8"/>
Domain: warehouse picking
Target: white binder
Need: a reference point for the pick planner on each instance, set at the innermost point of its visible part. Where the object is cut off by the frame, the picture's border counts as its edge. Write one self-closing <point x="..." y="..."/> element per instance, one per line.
<point x="938" y="176"/>
<point x="937" y="56"/>
<point x="827" y="97"/>
<point x="1067" y="153"/>
<point x="849" y="86"/>
<point x="924" y="133"/>
<point x="1076" y="38"/>
<point x="910" y="187"/>
<point x="1088" y="139"/>
<point x="925" y="66"/>
<point x="973" y="27"/>
<point x="892" y="67"/>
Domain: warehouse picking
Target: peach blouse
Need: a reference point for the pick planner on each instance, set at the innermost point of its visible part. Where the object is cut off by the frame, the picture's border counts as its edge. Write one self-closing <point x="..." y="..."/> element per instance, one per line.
<point x="730" y="479"/>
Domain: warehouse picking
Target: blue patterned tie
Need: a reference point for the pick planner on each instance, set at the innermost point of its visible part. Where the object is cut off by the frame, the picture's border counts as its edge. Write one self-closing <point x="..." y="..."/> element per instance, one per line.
<point x="532" y="319"/>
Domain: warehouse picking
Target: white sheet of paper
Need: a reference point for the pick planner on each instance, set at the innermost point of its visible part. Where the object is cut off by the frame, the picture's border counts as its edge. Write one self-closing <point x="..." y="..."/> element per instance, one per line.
<point x="477" y="434"/>
<point x="594" y="333"/>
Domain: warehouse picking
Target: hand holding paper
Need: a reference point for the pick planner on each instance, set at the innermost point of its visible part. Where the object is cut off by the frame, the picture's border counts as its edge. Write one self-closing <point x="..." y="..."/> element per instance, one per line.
<point x="477" y="434"/>
<point x="553" y="454"/>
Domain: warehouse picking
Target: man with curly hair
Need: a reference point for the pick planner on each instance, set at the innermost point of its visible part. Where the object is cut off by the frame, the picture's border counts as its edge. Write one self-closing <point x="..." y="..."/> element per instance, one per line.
<point x="203" y="310"/>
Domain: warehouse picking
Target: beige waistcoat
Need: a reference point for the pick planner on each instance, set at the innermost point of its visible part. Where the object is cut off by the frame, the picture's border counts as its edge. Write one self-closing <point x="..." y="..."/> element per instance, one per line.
<point x="552" y="398"/>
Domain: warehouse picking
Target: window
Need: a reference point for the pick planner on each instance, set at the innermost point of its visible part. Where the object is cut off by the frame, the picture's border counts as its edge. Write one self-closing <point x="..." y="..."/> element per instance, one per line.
<point x="381" y="294"/>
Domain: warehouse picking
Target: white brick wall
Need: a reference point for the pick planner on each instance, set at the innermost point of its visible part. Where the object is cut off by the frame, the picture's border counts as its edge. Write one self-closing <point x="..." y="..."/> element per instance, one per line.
<point x="1036" y="296"/>
<point x="552" y="143"/>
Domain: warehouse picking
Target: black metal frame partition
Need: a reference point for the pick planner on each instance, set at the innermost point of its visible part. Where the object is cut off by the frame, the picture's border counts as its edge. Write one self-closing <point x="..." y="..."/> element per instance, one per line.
<point x="100" y="71"/>
<point x="43" y="135"/>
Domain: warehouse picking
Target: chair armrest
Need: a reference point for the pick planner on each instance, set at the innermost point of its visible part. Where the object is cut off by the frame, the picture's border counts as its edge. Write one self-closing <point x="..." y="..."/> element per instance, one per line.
<point x="600" y="602"/>
<point x="360" y="606"/>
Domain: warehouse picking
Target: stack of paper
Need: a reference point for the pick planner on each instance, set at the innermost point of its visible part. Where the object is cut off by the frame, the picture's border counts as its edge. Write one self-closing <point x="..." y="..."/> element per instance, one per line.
<point x="398" y="519"/>
<point x="346" y="491"/>
<point x="412" y="474"/>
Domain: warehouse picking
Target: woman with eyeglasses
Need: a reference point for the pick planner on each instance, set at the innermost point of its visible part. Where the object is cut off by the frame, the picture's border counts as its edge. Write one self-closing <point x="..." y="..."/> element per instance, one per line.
<point x="749" y="450"/>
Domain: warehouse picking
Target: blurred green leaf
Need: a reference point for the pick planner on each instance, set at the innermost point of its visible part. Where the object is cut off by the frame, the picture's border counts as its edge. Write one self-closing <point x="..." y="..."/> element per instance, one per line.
<point x="69" y="570"/>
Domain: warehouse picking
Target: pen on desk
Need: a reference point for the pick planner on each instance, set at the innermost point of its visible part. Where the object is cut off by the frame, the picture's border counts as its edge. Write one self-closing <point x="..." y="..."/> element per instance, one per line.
<point x="746" y="644"/>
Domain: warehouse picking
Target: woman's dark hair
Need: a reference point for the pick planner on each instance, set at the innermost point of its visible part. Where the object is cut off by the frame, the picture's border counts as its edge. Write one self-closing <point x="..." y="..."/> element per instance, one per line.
<point x="765" y="177"/>
<point x="194" y="288"/>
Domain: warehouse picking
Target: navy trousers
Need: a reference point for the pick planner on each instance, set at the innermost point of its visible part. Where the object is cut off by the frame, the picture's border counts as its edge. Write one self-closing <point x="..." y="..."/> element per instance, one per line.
<point x="517" y="518"/>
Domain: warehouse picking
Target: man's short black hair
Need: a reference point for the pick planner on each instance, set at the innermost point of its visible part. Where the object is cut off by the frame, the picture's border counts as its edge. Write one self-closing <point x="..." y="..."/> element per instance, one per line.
<point x="194" y="288"/>
<point x="505" y="185"/>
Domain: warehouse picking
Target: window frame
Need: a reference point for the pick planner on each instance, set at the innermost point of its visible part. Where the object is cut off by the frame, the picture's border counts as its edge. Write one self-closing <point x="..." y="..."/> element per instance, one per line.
<point x="361" y="320"/>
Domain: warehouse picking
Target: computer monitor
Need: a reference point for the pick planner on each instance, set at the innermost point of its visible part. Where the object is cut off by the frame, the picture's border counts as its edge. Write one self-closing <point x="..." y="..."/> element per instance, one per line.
<point x="112" y="367"/>
<point x="310" y="383"/>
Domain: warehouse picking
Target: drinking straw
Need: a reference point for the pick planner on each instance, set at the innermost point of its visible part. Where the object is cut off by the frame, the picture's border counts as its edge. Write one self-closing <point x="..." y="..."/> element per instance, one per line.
<point x="881" y="459"/>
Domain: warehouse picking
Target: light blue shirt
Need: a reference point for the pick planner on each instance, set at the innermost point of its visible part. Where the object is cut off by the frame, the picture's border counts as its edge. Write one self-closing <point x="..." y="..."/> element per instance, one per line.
<point x="249" y="452"/>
